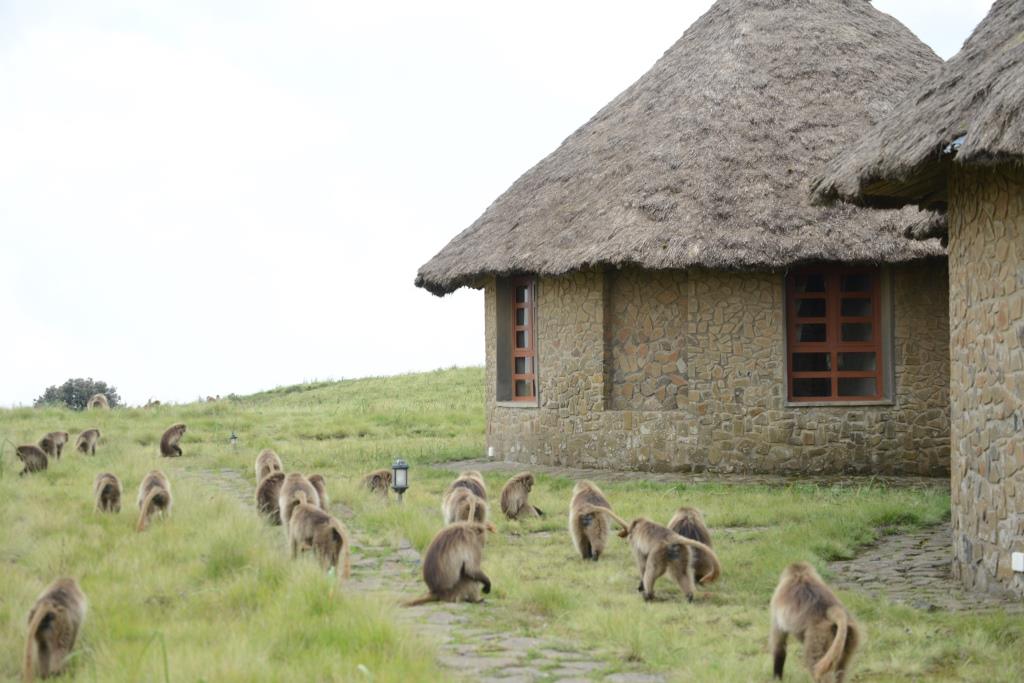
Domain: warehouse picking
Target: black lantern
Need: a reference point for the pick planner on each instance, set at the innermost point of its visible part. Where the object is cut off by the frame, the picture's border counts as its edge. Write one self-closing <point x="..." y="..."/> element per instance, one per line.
<point x="400" y="477"/>
<point x="234" y="440"/>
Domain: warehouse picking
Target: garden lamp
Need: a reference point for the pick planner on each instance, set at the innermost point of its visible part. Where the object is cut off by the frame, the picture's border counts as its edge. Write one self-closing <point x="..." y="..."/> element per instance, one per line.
<point x="400" y="477"/>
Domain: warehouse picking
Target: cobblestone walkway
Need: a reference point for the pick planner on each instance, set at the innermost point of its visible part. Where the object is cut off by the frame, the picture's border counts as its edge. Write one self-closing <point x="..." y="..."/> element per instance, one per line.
<point x="915" y="569"/>
<point x="701" y="478"/>
<point x="471" y="653"/>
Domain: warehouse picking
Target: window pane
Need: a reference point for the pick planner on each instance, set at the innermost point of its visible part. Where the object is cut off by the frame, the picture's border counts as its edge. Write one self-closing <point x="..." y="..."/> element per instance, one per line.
<point x="859" y="360"/>
<point x="810" y="308"/>
<point x="524" y="366"/>
<point x="524" y="387"/>
<point x="856" y="282"/>
<point x="521" y="316"/>
<point x="522" y="294"/>
<point x="809" y="282"/>
<point x="812" y="362"/>
<point x="856" y="308"/>
<point x="811" y="333"/>
<point x="857" y="386"/>
<point x="521" y="339"/>
<point x="856" y="332"/>
<point x="812" y="387"/>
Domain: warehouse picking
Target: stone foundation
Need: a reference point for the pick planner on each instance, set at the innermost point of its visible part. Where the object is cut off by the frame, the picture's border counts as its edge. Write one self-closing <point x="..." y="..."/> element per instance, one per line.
<point x="986" y="265"/>
<point x="688" y="374"/>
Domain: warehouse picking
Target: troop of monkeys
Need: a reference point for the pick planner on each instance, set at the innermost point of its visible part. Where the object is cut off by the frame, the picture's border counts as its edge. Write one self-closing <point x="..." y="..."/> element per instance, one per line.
<point x="802" y="604"/>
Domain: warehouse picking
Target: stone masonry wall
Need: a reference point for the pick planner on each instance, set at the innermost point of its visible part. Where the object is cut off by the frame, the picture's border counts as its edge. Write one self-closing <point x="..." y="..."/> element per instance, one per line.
<point x="986" y="265"/>
<point x="733" y="415"/>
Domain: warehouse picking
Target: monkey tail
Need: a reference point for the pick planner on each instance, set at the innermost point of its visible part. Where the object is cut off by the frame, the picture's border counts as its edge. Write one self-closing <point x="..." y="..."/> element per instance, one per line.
<point x="147" y="507"/>
<point x="429" y="597"/>
<point x="716" y="566"/>
<point x="837" y="615"/>
<point x="590" y="509"/>
<point x="31" y="642"/>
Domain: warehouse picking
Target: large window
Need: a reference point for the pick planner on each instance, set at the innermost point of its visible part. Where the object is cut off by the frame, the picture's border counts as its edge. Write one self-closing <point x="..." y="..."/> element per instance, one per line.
<point x="523" y="362"/>
<point x="835" y="334"/>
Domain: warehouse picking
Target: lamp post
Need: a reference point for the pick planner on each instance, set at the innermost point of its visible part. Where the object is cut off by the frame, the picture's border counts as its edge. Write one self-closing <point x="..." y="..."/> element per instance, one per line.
<point x="234" y="440"/>
<point x="400" y="477"/>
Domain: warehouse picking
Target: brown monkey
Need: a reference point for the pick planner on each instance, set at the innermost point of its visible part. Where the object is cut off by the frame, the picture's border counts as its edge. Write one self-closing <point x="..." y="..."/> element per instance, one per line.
<point x="287" y="500"/>
<point x="86" y="442"/>
<point x="312" y="528"/>
<point x="266" y="496"/>
<point x="378" y="481"/>
<point x="53" y="625"/>
<point x="588" y="524"/>
<point x="53" y="443"/>
<point x="689" y="522"/>
<point x="317" y="480"/>
<point x="514" y="495"/>
<point x="33" y="457"/>
<point x="804" y="606"/>
<point x="267" y="462"/>
<point x="472" y="480"/>
<point x="462" y="505"/>
<point x="658" y="549"/>
<point x="154" y="496"/>
<point x="98" y="402"/>
<point x="169" y="447"/>
<point x="107" y="492"/>
<point x="451" y="566"/>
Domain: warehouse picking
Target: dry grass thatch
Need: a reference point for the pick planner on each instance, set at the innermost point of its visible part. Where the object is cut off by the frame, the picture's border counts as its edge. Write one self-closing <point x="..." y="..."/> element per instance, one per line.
<point x="966" y="112"/>
<point x="705" y="161"/>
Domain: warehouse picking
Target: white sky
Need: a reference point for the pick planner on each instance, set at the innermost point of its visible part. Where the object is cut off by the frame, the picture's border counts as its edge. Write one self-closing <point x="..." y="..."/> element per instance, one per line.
<point x="208" y="197"/>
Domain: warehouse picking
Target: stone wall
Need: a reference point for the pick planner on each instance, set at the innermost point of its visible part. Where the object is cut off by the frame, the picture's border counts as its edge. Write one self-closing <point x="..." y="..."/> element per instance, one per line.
<point x="986" y="265"/>
<point x="733" y="415"/>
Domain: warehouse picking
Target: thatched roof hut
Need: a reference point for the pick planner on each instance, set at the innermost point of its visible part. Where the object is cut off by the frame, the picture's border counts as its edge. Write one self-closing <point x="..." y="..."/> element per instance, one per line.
<point x="705" y="161"/>
<point x="968" y="112"/>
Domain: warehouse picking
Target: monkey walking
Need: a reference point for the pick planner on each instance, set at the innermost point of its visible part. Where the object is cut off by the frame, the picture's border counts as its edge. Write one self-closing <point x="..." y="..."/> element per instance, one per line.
<point x="689" y="522"/>
<point x="154" y="497"/>
<point x="53" y="625"/>
<point x="378" y="481"/>
<point x="33" y="457"/>
<point x="287" y="498"/>
<point x="317" y="481"/>
<point x="53" y="444"/>
<point x="87" y="440"/>
<point x="588" y="521"/>
<point x="451" y="566"/>
<point x="462" y="505"/>
<point x="169" y="447"/>
<point x="310" y="528"/>
<point x="98" y="402"/>
<point x="658" y="549"/>
<point x="267" y="496"/>
<point x="107" y="492"/>
<point x="267" y="462"/>
<point x="804" y="606"/>
<point x="514" y="497"/>
<point x="472" y="480"/>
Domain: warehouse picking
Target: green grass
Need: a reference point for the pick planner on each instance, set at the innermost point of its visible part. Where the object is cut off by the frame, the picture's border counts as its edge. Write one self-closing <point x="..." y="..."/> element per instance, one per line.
<point x="211" y="594"/>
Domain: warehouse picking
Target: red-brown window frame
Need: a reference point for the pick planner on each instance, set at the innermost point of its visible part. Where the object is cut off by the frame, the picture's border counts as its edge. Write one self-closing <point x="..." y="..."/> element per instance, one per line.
<point x="833" y="322"/>
<point x="529" y="351"/>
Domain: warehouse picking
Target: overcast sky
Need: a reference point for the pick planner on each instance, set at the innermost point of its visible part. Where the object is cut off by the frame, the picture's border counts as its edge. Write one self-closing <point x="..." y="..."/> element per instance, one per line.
<point x="205" y="197"/>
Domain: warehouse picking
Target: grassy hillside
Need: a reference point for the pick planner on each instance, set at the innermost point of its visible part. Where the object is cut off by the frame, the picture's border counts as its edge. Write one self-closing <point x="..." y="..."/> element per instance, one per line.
<point x="211" y="594"/>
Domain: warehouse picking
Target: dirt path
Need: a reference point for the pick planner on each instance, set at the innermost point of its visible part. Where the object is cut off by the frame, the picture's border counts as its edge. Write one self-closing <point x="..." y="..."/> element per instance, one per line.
<point x="467" y="652"/>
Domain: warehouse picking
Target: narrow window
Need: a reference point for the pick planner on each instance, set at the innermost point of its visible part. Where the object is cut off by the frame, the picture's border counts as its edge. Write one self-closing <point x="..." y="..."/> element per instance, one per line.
<point x="524" y="371"/>
<point x="834" y="334"/>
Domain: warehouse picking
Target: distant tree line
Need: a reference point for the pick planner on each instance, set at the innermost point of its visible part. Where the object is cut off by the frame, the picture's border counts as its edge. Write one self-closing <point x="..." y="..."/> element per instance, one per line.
<point x="75" y="393"/>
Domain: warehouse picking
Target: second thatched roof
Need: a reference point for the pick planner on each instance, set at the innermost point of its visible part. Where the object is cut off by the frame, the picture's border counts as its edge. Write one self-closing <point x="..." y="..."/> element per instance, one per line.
<point x="967" y="112"/>
<point x="705" y="161"/>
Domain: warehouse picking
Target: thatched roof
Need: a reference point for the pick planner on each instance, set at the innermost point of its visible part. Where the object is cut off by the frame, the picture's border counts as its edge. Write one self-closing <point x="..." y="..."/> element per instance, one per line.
<point x="966" y="112"/>
<point x="705" y="161"/>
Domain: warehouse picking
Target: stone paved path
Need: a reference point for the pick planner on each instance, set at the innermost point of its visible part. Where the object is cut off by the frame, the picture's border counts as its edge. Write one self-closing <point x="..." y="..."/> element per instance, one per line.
<point x="916" y="569"/>
<point x="691" y="478"/>
<point x="470" y="653"/>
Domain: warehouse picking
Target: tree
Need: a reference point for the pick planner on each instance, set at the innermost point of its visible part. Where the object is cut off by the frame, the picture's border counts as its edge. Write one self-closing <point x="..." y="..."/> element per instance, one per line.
<point x="75" y="393"/>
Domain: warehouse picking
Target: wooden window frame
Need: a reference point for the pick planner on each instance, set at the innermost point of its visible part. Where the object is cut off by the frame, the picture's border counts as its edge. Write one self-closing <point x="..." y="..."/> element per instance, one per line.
<point x="833" y="322"/>
<point x="530" y="350"/>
